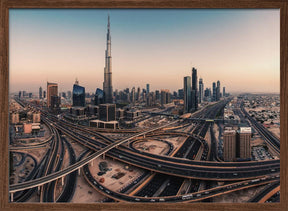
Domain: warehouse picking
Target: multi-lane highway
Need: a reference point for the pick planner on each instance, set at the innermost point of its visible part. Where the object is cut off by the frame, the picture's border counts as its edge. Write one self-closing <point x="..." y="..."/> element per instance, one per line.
<point x="176" y="168"/>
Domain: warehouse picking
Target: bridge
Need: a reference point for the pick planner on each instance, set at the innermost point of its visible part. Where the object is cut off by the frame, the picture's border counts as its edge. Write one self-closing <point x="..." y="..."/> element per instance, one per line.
<point x="59" y="174"/>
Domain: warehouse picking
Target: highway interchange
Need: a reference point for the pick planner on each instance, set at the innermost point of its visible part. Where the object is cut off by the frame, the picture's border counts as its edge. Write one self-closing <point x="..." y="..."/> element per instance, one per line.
<point x="173" y="168"/>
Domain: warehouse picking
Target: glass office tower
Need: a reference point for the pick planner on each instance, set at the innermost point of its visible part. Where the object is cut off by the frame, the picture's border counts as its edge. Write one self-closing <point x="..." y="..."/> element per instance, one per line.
<point x="78" y="95"/>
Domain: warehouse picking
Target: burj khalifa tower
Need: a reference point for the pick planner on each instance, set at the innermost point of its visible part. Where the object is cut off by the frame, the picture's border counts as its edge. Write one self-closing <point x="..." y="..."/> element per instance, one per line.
<point x="107" y="84"/>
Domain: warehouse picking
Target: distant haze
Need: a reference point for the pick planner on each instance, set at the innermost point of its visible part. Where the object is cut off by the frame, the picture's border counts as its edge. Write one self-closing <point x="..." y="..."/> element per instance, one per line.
<point x="239" y="47"/>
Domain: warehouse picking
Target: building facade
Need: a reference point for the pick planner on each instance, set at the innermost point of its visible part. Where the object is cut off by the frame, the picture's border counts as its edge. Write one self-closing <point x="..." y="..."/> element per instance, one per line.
<point x="218" y="94"/>
<point x="40" y="92"/>
<point x="214" y="91"/>
<point x="99" y="97"/>
<point x="107" y="112"/>
<point x="229" y="144"/>
<point x="187" y="94"/>
<point x="244" y="143"/>
<point x="194" y="90"/>
<point x="201" y="90"/>
<point x="78" y="95"/>
<point x="52" y="90"/>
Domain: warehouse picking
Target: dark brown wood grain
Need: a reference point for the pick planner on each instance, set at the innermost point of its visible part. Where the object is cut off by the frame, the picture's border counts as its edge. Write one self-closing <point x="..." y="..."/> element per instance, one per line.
<point x="4" y="79"/>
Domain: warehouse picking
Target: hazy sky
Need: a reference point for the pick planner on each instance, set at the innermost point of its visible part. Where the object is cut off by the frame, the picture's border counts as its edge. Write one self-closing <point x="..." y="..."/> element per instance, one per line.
<point x="241" y="48"/>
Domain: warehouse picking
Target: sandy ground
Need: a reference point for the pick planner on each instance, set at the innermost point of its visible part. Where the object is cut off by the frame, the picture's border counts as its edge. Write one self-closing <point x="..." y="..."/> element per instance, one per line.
<point x="238" y="196"/>
<point x="84" y="193"/>
<point x="176" y="141"/>
<point x="152" y="146"/>
<point x="275" y="131"/>
<point x="78" y="148"/>
<point x="126" y="174"/>
<point x="257" y="141"/>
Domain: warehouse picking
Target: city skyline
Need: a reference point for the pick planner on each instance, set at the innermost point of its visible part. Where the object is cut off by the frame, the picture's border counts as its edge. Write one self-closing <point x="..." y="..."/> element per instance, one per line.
<point x="34" y="60"/>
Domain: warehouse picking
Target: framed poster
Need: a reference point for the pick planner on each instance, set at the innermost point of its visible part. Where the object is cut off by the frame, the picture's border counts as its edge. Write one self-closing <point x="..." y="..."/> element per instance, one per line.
<point x="188" y="110"/>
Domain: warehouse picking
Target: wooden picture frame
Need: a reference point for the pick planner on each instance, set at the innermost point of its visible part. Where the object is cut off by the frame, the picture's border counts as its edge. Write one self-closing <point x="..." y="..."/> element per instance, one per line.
<point x="5" y="5"/>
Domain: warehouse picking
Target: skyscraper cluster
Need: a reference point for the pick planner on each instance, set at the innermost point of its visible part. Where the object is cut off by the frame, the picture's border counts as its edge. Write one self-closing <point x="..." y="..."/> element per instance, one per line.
<point x="193" y="96"/>
<point x="191" y="92"/>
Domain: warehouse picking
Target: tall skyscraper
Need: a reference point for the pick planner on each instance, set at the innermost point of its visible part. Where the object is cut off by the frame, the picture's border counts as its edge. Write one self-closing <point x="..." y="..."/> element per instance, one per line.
<point x="218" y="91"/>
<point x="224" y="92"/>
<point x="187" y="94"/>
<point x="99" y="97"/>
<point x="157" y="95"/>
<point x="147" y="89"/>
<point x="44" y="94"/>
<point x="214" y="92"/>
<point x="201" y="90"/>
<point x="133" y="95"/>
<point x="194" y="91"/>
<point x="40" y="92"/>
<point x="181" y="93"/>
<point x="165" y="96"/>
<point x="78" y="94"/>
<point x="52" y="90"/>
<point x="107" y="84"/>
<point x="138" y="94"/>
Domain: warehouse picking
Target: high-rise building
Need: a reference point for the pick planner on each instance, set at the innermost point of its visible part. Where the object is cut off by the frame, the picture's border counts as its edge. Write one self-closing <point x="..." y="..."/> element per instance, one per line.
<point x="194" y="91"/>
<point x="237" y="144"/>
<point x="181" y="93"/>
<point x="107" y="84"/>
<point x="224" y="93"/>
<point x="150" y="99"/>
<point x="243" y="146"/>
<point x="55" y="102"/>
<point x="44" y="94"/>
<point x="133" y="95"/>
<point x="52" y="90"/>
<point x="64" y="95"/>
<point x="187" y="94"/>
<point x="157" y="95"/>
<point x="40" y="92"/>
<point x="175" y="95"/>
<point x="214" y="92"/>
<point x="19" y="95"/>
<point x="107" y="112"/>
<point x="99" y="97"/>
<point x="229" y="144"/>
<point x="201" y="90"/>
<point x="218" y="91"/>
<point x="165" y="96"/>
<point x="138" y="94"/>
<point x="78" y="95"/>
<point x="207" y="92"/>
<point x="147" y="89"/>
